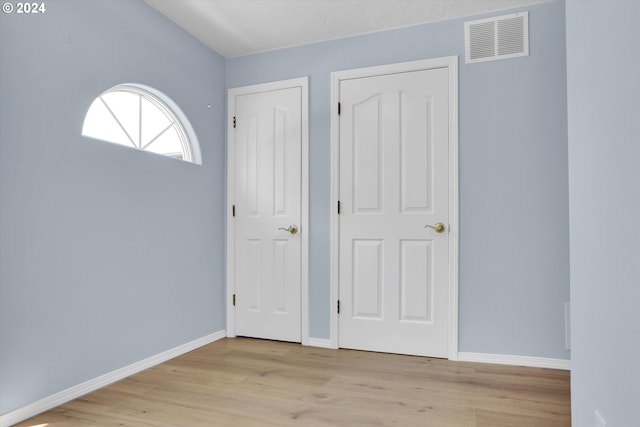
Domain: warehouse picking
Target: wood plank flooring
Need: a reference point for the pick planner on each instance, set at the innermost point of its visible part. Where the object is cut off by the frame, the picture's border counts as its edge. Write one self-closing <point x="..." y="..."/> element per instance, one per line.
<point x="248" y="382"/>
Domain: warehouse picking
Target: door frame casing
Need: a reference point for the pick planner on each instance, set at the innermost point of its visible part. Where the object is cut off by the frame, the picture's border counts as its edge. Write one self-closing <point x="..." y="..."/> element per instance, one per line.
<point x="303" y="84"/>
<point x="451" y="63"/>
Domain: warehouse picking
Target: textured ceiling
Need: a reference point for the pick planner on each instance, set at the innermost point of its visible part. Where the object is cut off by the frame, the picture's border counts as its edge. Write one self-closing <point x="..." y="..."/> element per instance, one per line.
<point x="241" y="27"/>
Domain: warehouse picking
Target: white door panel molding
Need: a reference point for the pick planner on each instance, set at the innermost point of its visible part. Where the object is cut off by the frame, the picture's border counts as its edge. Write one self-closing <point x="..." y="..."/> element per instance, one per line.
<point x="267" y="196"/>
<point x="394" y="244"/>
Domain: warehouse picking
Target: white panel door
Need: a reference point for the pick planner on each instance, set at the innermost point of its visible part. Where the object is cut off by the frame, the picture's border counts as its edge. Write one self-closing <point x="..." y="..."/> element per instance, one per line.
<point x="394" y="271"/>
<point x="267" y="208"/>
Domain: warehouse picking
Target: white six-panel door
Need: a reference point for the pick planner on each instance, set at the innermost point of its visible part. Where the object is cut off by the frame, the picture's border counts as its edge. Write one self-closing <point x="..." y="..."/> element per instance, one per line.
<point x="267" y="222"/>
<point x="394" y="183"/>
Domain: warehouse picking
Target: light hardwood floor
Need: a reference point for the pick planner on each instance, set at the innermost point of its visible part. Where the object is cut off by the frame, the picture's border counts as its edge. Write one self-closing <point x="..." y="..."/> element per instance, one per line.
<point x="247" y="382"/>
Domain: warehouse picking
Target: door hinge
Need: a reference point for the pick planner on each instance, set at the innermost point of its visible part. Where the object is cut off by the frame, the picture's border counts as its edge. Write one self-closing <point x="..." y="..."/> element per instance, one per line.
<point x="339" y="207"/>
<point x="234" y="122"/>
<point x="338" y="306"/>
<point x="234" y="300"/>
<point x="233" y="210"/>
<point x="339" y="108"/>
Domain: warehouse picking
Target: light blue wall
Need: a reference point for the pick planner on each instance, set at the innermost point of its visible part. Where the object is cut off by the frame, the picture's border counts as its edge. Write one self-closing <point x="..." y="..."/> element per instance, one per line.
<point x="514" y="231"/>
<point x="107" y="255"/>
<point x="603" y="72"/>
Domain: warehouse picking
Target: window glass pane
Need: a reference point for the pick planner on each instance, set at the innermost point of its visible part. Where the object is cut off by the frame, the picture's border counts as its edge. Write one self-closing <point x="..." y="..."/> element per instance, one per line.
<point x="141" y="117"/>
<point x="154" y="121"/>
<point x="126" y="107"/>
<point x="168" y="144"/>
<point x="100" y="124"/>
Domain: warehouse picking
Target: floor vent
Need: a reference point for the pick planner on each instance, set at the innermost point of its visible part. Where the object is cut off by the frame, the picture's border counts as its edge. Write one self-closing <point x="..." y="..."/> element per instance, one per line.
<point x="500" y="37"/>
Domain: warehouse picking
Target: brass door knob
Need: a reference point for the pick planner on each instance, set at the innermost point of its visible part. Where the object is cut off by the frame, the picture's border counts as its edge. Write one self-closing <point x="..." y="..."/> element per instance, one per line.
<point x="292" y="229"/>
<point x="439" y="227"/>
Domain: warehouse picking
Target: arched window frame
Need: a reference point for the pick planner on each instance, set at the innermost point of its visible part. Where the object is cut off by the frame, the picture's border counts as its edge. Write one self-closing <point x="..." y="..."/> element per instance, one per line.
<point x="179" y="121"/>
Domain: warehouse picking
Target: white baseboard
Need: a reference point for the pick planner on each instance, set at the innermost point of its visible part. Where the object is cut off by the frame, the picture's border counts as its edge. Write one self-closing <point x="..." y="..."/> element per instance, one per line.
<point x="319" y="342"/>
<point x="501" y="359"/>
<point x="74" y="392"/>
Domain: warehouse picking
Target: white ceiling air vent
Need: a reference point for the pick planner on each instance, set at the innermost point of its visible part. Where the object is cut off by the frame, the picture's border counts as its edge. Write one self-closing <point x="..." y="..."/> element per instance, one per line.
<point x="500" y="37"/>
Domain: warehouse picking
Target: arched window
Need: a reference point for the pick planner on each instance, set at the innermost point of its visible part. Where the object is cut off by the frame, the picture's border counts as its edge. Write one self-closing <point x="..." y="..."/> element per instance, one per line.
<point x="143" y="118"/>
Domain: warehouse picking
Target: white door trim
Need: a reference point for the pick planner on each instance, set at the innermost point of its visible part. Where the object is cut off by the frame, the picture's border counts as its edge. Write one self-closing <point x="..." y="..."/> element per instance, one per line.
<point x="451" y="63"/>
<point x="303" y="83"/>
